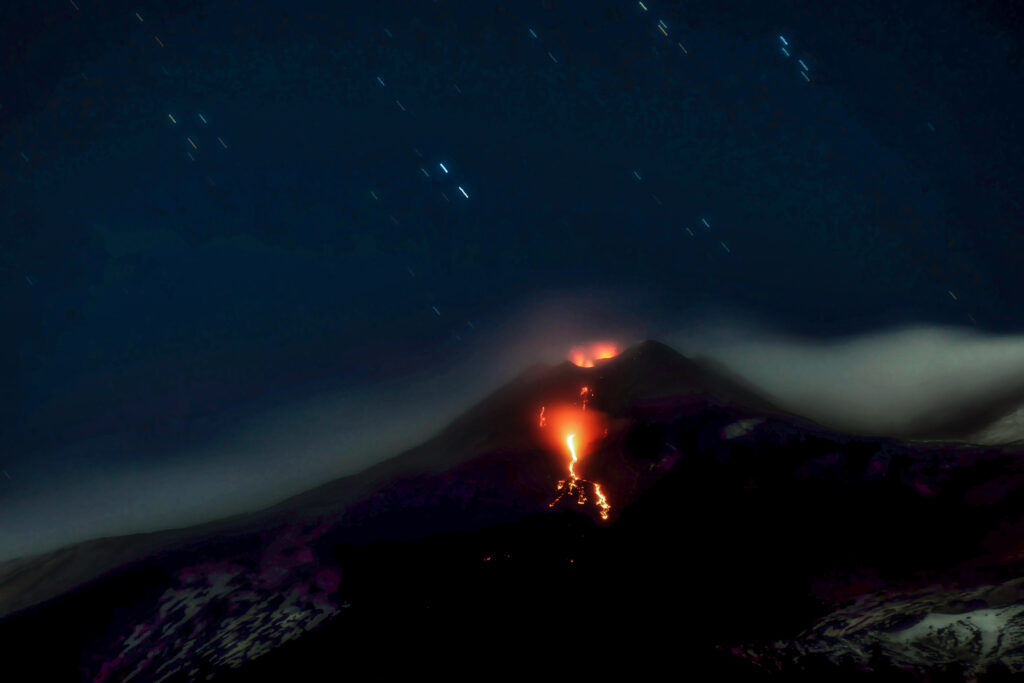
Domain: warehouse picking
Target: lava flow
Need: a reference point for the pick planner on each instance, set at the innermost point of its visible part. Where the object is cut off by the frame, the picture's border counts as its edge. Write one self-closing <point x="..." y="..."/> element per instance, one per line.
<point x="577" y="426"/>
<point x="573" y="485"/>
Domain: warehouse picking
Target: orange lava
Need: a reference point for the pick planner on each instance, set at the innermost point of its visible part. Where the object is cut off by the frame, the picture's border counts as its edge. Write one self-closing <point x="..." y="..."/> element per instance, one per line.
<point x="585" y="395"/>
<point x="586" y="356"/>
<point x="574" y="428"/>
<point x="602" y="502"/>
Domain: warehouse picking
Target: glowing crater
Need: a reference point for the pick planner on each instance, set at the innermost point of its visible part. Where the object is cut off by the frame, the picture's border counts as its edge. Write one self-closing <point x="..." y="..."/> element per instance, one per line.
<point x="586" y="356"/>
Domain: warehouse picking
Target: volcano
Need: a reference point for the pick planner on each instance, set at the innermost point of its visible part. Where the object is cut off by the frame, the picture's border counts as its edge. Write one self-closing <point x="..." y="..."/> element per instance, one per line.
<point x="738" y="536"/>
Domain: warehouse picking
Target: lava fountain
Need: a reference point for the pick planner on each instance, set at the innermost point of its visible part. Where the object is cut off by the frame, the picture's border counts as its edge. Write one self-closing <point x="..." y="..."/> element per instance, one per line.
<point x="573" y="428"/>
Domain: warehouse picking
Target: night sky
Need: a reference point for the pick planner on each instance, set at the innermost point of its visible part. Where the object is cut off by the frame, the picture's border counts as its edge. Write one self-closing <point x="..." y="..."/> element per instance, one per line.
<point x="247" y="246"/>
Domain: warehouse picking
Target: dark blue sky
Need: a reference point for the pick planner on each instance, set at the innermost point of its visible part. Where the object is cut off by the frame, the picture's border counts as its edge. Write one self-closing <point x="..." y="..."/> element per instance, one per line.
<point x="219" y="208"/>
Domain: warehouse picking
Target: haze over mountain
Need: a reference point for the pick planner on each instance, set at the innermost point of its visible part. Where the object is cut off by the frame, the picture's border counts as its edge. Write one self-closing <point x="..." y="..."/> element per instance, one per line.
<point x="916" y="382"/>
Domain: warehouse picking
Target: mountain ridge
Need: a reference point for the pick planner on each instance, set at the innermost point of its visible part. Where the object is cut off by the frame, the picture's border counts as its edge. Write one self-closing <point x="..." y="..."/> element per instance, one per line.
<point x="646" y="370"/>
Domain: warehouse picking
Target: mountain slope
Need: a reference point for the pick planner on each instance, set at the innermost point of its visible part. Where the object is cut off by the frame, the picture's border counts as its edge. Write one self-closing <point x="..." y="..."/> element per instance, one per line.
<point x="733" y="525"/>
<point x="646" y="370"/>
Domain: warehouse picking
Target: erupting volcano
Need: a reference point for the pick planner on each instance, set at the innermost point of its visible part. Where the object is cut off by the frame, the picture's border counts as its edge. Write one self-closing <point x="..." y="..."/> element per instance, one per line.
<point x="575" y="427"/>
<point x="453" y="540"/>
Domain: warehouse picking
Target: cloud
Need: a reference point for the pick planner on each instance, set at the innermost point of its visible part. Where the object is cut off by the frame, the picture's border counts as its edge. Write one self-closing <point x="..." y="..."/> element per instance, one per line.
<point x="918" y="381"/>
